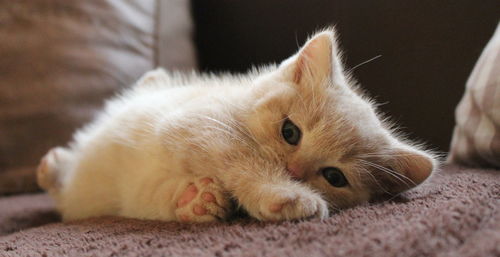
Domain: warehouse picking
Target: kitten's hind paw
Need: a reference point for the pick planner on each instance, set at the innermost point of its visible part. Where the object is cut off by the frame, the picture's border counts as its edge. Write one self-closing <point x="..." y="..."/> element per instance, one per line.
<point x="203" y="200"/>
<point x="49" y="167"/>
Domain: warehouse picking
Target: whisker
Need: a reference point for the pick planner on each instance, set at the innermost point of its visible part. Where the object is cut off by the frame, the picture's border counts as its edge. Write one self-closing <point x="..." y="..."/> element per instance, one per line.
<point x="228" y="133"/>
<point x="373" y="178"/>
<point x="365" y="62"/>
<point x="393" y="173"/>
<point x="230" y="129"/>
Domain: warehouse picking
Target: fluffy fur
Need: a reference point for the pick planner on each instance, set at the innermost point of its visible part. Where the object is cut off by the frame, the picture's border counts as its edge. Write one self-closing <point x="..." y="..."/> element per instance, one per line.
<point x="176" y="147"/>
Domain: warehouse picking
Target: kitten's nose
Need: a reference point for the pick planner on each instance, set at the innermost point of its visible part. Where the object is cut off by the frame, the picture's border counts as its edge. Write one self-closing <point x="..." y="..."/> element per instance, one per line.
<point x="295" y="170"/>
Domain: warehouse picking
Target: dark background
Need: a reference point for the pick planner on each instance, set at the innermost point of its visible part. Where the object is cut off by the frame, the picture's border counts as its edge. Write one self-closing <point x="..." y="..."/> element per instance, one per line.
<point x="428" y="48"/>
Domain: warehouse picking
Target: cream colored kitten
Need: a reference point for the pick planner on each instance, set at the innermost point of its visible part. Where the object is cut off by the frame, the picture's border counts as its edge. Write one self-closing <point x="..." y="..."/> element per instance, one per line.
<point x="286" y="142"/>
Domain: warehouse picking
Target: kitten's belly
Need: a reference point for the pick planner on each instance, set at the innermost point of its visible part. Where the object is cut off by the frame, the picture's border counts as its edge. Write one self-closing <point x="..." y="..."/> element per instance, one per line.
<point x="122" y="157"/>
<point x="115" y="179"/>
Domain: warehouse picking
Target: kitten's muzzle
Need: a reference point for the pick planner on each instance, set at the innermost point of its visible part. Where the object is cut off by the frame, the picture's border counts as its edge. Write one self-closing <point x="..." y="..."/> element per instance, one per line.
<point x="295" y="171"/>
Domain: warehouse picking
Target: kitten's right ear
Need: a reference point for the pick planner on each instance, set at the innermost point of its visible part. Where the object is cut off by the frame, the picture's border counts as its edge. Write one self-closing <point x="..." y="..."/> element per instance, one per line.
<point x="317" y="64"/>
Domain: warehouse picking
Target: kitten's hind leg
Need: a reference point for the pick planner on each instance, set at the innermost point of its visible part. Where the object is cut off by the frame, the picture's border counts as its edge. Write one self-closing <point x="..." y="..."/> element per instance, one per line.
<point x="50" y="168"/>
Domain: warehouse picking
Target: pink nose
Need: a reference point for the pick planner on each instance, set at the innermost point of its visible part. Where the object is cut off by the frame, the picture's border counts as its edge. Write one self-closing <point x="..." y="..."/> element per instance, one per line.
<point x="295" y="171"/>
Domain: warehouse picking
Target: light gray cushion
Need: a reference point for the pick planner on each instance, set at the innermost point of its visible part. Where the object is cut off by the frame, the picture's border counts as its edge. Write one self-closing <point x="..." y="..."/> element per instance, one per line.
<point x="476" y="137"/>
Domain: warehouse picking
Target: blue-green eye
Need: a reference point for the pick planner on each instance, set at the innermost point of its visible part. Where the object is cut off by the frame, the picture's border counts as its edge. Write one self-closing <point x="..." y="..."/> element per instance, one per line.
<point x="291" y="133"/>
<point x="334" y="176"/>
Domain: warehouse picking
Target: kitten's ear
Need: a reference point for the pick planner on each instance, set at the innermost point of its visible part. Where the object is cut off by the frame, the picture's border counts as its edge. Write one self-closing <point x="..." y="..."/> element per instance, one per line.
<point x="414" y="168"/>
<point x="316" y="63"/>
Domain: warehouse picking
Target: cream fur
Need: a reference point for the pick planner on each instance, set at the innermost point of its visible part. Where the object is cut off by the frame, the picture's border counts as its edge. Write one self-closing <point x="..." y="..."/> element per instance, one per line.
<point x="170" y="131"/>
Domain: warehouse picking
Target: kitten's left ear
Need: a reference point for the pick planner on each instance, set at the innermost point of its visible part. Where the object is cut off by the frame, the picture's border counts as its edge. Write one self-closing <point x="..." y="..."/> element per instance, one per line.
<point x="414" y="166"/>
<point x="317" y="62"/>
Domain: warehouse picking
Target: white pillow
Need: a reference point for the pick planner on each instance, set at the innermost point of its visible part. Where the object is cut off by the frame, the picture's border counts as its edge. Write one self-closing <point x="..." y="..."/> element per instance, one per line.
<point x="476" y="137"/>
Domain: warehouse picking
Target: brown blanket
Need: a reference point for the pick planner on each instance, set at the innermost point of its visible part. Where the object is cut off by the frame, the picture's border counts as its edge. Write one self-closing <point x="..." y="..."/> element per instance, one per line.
<point x="457" y="213"/>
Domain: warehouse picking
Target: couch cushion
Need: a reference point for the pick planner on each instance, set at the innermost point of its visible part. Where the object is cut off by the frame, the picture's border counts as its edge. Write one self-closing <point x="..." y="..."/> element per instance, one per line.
<point x="476" y="137"/>
<point x="59" y="59"/>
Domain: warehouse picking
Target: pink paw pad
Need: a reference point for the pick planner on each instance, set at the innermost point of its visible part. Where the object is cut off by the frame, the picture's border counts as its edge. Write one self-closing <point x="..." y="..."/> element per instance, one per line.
<point x="202" y="201"/>
<point x="184" y="218"/>
<point x="206" y="181"/>
<point x="208" y="197"/>
<point x="199" y="210"/>
<point x="276" y="207"/>
<point x="188" y="195"/>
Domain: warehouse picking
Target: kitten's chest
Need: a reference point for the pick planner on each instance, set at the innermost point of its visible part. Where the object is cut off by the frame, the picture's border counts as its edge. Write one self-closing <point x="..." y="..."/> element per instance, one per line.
<point x="183" y="130"/>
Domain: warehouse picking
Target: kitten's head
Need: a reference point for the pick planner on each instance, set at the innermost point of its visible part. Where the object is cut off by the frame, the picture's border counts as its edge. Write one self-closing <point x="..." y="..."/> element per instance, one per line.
<point x="308" y="118"/>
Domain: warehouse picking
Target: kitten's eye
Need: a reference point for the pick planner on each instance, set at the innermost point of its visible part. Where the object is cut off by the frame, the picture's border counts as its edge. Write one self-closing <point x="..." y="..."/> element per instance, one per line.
<point x="291" y="133"/>
<point x="335" y="177"/>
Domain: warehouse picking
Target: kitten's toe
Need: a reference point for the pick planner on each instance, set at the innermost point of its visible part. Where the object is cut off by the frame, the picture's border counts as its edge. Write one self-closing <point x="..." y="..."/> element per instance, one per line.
<point x="293" y="205"/>
<point x="47" y="169"/>
<point x="203" y="201"/>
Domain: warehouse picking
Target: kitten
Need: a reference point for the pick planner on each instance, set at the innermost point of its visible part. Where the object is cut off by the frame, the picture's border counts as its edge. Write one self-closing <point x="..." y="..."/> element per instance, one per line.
<point x="286" y="142"/>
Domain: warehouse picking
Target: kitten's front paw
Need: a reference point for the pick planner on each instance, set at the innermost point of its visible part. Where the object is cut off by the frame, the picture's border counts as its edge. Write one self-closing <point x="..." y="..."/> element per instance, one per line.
<point x="290" y="205"/>
<point x="203" y="200"/>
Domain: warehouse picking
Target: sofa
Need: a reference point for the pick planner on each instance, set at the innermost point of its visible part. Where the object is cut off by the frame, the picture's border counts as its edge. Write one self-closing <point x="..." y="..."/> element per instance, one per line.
<point x="59" y="60"/>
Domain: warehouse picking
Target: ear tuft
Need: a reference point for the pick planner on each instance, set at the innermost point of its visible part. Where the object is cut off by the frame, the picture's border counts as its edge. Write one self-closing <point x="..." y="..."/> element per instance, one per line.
<point x="314" y="62"/>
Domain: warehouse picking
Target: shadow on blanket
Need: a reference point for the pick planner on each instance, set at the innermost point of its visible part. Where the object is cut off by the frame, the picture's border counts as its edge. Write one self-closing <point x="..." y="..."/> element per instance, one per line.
<point x="457" y="213"/>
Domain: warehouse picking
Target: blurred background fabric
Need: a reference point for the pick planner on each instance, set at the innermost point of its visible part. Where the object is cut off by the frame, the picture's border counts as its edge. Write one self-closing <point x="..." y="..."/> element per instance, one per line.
<point x="60" y="59"/>
<point x="476" y="137"/>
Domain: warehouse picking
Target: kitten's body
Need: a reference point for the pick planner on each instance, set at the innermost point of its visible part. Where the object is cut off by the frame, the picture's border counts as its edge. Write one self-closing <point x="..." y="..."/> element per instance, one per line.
<point x="179" y="147"/>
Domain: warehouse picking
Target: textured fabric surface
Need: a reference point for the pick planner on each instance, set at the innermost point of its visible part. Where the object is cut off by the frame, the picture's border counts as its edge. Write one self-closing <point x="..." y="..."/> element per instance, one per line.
<point x="457" y="213"/>
<point x="60" y="59"/>
<point x="25" y="211"/>
<point x="476" y="137"/>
